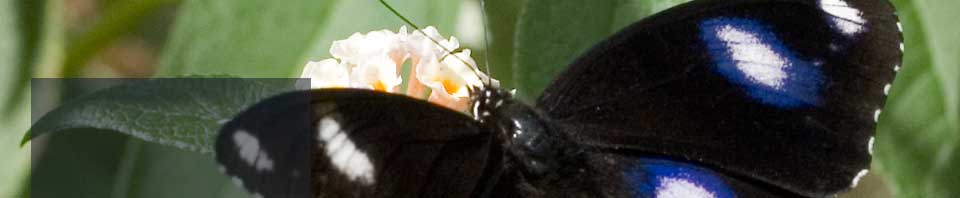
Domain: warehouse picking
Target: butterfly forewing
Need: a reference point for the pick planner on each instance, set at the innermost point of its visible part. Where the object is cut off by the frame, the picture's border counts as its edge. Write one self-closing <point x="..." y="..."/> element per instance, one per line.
<point x="785" y="92"/>
<point x="353" y="143"/>
<point x="267" y="148"/>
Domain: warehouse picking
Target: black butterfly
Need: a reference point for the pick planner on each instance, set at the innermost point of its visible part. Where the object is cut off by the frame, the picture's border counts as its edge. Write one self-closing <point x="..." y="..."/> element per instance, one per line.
<point x="712" y="98"/>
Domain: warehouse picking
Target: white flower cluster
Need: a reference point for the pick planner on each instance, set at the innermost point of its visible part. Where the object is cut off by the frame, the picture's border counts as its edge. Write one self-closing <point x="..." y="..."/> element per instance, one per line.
<point x="373" y="61"/>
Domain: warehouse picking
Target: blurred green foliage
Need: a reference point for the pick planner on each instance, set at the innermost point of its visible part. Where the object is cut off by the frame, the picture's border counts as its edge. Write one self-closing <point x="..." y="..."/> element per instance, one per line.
<point x="530" y="40"/>
<point x="918" y="133"/>
<point x="550" y="34"/>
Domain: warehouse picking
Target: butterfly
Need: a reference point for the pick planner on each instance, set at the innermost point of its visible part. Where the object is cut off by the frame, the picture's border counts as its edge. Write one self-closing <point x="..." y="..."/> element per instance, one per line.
<point x="711" y="98"/>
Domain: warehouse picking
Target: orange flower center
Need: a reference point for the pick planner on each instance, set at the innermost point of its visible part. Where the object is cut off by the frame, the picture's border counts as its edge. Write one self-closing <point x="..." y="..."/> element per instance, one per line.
<point x="450" y="86"/>
<point x="379" y="86"/>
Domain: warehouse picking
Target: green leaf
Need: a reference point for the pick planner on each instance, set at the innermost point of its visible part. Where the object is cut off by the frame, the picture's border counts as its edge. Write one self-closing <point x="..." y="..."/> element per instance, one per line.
<point x="251" y="38"/>
<point x="918" y="136"/>
<point x="551" y="34"/>
<point x="184" y="113"/>
<point x="96" y="164"/>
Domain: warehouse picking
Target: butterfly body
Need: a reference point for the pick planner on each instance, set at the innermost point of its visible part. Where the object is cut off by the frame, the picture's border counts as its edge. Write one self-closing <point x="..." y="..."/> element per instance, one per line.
<point x="734" y="98"/>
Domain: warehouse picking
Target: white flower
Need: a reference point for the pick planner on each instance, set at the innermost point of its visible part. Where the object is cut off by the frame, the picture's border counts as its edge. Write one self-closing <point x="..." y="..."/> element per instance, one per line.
<point x="358" y="48"/>
<point x="328" y="73"/>
<point x="450" y="79"/>
<point x="377" y="73"/>
<point x="372" y="61"/>
<point x="420" y="45"/>
<point x="423" y="45"/>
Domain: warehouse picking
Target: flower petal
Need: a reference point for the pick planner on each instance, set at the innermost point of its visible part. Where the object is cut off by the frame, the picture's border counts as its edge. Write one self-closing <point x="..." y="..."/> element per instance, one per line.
<point x="421" y="43"/>
<point x="378" y="73"/>
<point x="359" y="47"/>
<point x="450" y="79"/>
<point x="459" y="104"/>
<point x="463" y="66"/>
<point x="327" y="73"/>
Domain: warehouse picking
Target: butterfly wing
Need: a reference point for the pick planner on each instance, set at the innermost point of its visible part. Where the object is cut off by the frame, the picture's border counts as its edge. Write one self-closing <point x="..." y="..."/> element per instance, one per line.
<point x="783" y="91"/>
<point x="352" y="143"/>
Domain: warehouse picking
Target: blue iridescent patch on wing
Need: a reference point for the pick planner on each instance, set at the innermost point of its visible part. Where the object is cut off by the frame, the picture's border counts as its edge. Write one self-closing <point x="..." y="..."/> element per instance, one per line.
<point x="668" y="179"/>
<point x="750" y="55"/>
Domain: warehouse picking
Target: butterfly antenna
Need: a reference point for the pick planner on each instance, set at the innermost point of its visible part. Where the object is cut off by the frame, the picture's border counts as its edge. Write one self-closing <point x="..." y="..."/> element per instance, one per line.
<point x="417" y="29"/>
<point x="486" y="38"/>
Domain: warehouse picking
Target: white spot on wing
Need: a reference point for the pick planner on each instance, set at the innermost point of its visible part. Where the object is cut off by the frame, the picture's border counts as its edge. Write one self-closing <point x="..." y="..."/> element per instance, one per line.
<point x="856" y="179"/>
<point x="343" y="153"/>
<point x="876" y="115"/>
<point x="327" y="128"/>
<point x="755" y="59"/>
<point x="847" y="19"/>
<point x="681" y="188"/>
<point x="870" y="145"/>
<point x="886" y="89"/>
<point x="251" y="151"/>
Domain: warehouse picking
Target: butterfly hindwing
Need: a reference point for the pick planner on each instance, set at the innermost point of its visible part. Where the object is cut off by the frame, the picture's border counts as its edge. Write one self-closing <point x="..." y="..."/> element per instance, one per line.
<point x="353" y="143"/>
<point x="653" y="177"/>
<point x="782" y="91"/>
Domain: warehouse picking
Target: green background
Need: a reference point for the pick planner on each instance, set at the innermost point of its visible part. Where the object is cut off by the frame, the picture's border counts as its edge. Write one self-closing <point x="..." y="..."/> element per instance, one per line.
<point x="917" y="140"/>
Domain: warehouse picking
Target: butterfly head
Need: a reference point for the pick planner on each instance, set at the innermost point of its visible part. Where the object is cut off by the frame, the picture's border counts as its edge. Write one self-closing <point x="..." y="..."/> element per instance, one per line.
<point x="487" y="99"/>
